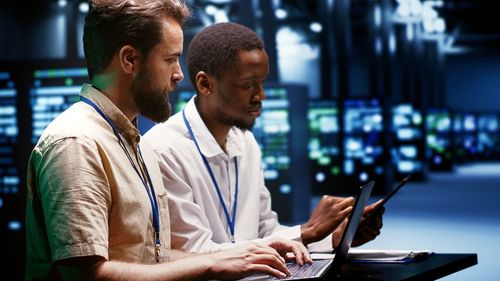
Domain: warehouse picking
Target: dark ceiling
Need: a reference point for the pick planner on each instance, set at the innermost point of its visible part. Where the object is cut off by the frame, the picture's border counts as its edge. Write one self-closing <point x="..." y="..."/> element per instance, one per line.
<point x="477" y="23"/>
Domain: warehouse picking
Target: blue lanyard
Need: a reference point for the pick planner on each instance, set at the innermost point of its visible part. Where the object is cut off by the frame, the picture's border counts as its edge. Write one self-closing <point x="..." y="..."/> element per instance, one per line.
<point x="232" y="221"/>
<point x="151" y="195"/>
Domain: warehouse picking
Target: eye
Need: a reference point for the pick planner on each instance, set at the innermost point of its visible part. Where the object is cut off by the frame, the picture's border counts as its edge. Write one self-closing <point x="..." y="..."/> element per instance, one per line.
<point x="251" y="85"/>
<point x="171" y="60"/>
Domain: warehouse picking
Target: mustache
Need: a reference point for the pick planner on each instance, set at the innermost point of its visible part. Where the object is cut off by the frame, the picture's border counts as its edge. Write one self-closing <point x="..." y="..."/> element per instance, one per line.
<point x="173" y="86"/>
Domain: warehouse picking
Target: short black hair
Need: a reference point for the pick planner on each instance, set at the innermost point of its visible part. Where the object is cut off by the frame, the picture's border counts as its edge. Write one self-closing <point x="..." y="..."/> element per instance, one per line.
<point x="111" y="24"/>
<point x="215" y="48"/>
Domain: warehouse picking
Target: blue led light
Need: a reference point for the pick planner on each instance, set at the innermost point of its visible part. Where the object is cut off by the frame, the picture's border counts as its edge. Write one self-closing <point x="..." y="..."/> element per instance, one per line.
<point x="437" y="160"/>
<point x="14" y="225"/>
<point x="363" y="177"/>
<point x="285" y="188"/>
<point x="320" y="177"/>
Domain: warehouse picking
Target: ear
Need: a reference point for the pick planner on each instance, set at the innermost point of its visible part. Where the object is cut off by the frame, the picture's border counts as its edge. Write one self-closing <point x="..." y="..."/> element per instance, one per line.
<point x="204" y="83"/>
<point x="129" y="59"/>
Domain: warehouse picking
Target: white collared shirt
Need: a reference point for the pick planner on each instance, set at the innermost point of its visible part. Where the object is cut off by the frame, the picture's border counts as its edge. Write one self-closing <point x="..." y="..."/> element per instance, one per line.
<point x="198" y="220"/>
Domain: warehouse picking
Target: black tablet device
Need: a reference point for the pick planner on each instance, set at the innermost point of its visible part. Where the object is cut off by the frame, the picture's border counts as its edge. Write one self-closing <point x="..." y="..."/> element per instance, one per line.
<point x="388" y="196"/>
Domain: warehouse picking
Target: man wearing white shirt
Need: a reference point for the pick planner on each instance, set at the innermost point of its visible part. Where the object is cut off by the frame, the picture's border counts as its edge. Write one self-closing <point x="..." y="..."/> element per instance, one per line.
<point x="96" y="206"/>
<point x="211" y="163"/>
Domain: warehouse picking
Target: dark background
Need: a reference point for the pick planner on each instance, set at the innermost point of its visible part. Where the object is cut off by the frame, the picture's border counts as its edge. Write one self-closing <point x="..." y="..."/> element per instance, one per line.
<point x="337" y="50"/>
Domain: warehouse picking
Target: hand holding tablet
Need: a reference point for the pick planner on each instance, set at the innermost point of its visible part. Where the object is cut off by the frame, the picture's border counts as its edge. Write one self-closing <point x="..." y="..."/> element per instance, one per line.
<point x="388" y="196"/>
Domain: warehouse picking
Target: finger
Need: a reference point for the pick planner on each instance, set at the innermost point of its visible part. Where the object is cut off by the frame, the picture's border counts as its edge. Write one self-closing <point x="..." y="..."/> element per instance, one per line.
<point x="290" y="256"/>
<point x="343" y="213"/>
<point x="370" y="233"/>
<point x="377" y="223"/>
<point x="364" y="233"/>
<point x="262" y="268"/>
<point x="371" y="207"/>
<point x="340" y="199"/>
<point x="275" y="248"/>
<point x="346" y="202"/>
<point x="337" y="202"/>
<point x="369" y="227"/>
<point x="373" y="233"/>
<point x="272" y="261"/>
<point x="374" y="222"/>
<point x="376" y="204"/>
<point x="284" y="248"/>
<point x="369" y="222"/>
<point x="305" y="254"/>
<point x="298" y="253"/>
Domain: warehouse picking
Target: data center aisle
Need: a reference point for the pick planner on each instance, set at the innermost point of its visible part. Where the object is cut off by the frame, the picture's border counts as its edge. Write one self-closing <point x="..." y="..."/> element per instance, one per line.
<point x="455" y="212"/>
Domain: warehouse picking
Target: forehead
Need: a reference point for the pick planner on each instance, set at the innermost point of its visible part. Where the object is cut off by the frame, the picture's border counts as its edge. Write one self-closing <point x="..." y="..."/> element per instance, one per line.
<point x="172" y="36"/>
<point x="254" y="62"/>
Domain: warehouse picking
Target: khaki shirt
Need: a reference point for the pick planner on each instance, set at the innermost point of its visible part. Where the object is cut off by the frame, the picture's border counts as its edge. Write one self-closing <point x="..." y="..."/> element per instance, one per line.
<point x="84" y="197"/>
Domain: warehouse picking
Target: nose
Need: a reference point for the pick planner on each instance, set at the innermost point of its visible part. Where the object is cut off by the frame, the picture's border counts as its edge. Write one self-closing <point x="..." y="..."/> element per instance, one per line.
<point x="261" y="95"/>
<point x="177" y="76"/>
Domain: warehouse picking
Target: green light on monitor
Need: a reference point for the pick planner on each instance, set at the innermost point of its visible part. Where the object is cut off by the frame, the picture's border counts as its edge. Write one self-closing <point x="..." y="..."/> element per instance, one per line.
<point x="335" y="170"/>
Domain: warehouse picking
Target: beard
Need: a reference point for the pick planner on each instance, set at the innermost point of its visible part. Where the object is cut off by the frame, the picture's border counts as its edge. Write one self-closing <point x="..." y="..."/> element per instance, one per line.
<point x="244" y="125"/>
<point x="232" y="121"/>
<point x="223" y="115"/>
<point x="151" y="100"/>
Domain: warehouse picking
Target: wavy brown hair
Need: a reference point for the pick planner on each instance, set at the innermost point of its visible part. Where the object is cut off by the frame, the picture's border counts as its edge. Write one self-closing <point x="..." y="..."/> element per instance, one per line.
<point x="112" y="24"/>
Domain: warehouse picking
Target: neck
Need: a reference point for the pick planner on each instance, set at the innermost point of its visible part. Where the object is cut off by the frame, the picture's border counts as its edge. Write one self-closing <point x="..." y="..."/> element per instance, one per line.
<point x="117" y="93"/>
<point x="219" y="131"/>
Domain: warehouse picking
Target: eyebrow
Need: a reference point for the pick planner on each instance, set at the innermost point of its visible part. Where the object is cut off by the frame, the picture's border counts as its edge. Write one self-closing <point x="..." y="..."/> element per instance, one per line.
<point x="253" y="77"/>
<point x="177" y="54"/>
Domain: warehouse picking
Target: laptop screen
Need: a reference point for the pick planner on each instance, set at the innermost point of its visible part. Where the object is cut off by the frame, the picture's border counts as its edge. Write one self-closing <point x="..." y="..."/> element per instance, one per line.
<point x="320" y="267"/>
<point x="352" y="226"/>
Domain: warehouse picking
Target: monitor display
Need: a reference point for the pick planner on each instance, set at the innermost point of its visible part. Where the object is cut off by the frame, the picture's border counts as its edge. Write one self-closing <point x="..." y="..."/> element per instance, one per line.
<point x="52" y="92"/>
<point x="363" y="125"/>
<point x="272" y="132"/>
<point x="458" y="126"/>
<point x="460" y="155"/>
<point x="9" y="131"/>
<point x="281" y="132"/>
<point x="438" y="139"/>
<point x="488" y="144"/>
<point x="407" y="149"/>
<point x="12" y="173"/>
<point x="323" y="147"/>
<point x="470" y="135"/>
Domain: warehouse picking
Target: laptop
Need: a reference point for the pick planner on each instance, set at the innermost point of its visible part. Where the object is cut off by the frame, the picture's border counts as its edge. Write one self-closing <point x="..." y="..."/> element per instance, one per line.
<point x="319" y="268"/>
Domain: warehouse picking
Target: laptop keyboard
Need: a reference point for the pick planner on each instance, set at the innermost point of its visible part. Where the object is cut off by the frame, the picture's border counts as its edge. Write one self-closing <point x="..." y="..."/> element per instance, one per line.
<point x="305" y="271"/>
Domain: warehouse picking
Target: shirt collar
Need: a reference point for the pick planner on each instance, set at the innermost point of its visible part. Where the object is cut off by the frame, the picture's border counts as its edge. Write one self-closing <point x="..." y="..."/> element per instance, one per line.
<point x="125" y="127"/>
<point x="206" y="141"/>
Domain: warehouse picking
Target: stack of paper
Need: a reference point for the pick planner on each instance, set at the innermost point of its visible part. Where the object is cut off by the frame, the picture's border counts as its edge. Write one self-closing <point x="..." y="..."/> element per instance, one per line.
<point x="380" y="256"/>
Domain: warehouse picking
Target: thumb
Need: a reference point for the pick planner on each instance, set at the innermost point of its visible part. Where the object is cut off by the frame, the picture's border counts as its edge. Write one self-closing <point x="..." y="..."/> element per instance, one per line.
<point x="373" y="206"/>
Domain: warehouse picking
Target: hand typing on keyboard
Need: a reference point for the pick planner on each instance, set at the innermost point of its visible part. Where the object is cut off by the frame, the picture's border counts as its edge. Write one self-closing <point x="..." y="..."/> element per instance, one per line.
<point x="306" y="271"/>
